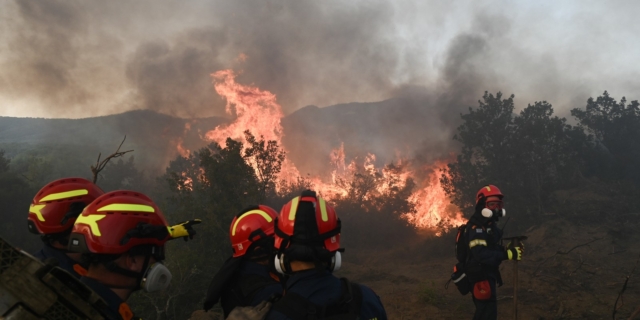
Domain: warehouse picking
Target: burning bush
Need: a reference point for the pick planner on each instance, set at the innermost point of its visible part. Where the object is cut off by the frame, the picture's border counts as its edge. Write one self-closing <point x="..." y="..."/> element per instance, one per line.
<point x="373" y="206"/>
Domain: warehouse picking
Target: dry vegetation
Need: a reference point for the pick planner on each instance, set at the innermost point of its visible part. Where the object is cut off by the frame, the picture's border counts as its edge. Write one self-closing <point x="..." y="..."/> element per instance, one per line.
<point x="575" y="265"/>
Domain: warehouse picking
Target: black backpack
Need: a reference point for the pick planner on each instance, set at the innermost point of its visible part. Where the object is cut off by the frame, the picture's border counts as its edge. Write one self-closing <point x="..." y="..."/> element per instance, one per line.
<point x="459" y="275"/>
<point x="298" y="307"/>
<point x="462" y="246"/>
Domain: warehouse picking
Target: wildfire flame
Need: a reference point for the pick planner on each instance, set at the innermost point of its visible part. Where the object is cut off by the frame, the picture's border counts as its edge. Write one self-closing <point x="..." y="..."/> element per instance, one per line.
<point x="258" y="111"/>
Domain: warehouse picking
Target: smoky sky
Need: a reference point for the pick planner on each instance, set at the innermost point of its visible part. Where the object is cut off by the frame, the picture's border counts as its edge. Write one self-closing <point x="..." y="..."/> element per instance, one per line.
<point x="79" y="59"/>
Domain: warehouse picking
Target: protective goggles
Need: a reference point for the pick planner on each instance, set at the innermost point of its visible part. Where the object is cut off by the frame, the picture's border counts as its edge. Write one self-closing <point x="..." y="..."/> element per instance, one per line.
<point x="494" y="205"/>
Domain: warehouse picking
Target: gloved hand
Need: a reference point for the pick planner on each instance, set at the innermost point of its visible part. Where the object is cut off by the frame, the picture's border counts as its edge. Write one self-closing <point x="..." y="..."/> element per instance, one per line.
<point x="250" y="313"/>
<point x="515" y="253"/>
<point x="184" y="229"/>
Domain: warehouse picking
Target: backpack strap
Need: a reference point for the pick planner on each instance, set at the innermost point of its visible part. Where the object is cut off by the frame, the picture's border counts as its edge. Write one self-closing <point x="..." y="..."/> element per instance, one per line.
<point x="250" y="285"/>
<point x="347" y="307"/>
<point x="356" y="294"/>
<point x="297" y="307"/>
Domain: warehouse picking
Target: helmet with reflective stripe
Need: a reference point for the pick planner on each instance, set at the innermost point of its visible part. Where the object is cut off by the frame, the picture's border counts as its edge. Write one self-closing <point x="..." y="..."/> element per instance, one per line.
<point x="56" y="206"/>
<point x="308" y="220"/>
<point x="118" y="221"/>
<point x="488" y="191"/>
<point x="251" y="226"/>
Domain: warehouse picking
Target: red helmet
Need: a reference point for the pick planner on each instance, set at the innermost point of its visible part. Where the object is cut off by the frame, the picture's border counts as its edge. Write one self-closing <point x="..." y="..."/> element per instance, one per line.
<point x="488" y="191"/>
<point x="249" y="226"/>
<point x="118" y="221"/>
<point x="324" y="216"/>
<point x="56" y="206"/>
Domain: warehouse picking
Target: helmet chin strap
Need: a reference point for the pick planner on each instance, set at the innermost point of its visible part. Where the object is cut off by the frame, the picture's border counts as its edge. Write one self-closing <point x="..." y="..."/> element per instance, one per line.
<point x="111" y="266"/>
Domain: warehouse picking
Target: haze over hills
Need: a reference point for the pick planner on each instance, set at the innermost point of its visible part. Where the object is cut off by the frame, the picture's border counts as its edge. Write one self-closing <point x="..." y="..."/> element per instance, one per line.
<point x="403" y="126"/>
<point x="385" y="128"/>
<point x="152" y="135"/>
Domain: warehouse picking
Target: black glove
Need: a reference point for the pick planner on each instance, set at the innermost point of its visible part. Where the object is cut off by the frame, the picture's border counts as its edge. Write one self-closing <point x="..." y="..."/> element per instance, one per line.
<point x="184" y="229"/>
<point x="146" y="230"/>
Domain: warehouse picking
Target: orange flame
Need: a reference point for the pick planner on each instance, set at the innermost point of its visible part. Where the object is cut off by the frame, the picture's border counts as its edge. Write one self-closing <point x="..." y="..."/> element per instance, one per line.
<point x="258" y="111"/>
<point x="255" y="110"/>
<point x="179" y="143"/>
<point x="433" y="208"/>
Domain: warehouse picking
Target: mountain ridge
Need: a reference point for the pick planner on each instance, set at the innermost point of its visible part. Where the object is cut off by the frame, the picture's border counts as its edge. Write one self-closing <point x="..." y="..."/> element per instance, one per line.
<point x="384" y="128"/>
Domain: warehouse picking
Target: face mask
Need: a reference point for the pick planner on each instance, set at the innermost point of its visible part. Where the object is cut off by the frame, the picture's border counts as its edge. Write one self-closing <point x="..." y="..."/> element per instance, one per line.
<point x="496" y="214"/>
<point x="157" y="278"/>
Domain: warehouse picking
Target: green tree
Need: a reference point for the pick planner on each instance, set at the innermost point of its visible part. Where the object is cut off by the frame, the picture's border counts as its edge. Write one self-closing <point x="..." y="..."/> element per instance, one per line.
<point x="528" y="156"/>
<point x="213" y="184"/>
<point x="15" y="196"/>
<point x="616" y="126"/>
<point x="4" y="163"/>
<point x="485" y="137"/>
<point x="548" y="153"/>
<point x="268" y="158"/>
<point x="121" y="174"/>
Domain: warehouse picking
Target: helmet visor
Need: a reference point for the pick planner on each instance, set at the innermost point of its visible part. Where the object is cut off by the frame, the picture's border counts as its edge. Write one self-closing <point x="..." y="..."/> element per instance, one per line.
<point x="494" y="205"/>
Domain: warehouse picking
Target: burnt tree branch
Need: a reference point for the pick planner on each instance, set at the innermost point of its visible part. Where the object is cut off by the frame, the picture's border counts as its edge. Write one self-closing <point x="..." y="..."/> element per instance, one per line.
<point x="565" y="252"/>
<point x="624" y="288"/>
<point x="101" y="164"/>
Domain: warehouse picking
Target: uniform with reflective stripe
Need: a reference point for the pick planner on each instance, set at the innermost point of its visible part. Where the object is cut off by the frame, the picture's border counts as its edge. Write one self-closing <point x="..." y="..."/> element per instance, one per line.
<point x="477" y="242"/>
<point x="484" y="243"/>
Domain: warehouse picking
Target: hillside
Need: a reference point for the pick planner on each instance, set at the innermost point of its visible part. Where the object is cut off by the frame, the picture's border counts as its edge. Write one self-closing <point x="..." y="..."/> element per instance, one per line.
<point x="383" y="128"/>
<point x="151" y="134"/>
<point x="410" y="127"/>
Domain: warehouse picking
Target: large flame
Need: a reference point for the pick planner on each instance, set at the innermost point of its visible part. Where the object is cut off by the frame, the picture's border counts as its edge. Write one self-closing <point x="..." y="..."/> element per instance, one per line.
<point x="433" y="208"/>
<point x="258" y="111"/>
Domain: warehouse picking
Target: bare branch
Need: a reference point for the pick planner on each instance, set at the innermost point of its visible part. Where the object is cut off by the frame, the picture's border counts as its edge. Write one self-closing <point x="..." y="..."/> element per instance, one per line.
<point x="563" y="252"/>
<point x="580" y="245"/>
<point x="101" y="164"/>
<point x="634" y="314"/>
<point x="624" y="288"/>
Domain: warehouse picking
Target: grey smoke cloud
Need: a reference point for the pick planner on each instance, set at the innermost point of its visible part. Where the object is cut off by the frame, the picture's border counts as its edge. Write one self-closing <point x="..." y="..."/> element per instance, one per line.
<point x="65" y="58"/>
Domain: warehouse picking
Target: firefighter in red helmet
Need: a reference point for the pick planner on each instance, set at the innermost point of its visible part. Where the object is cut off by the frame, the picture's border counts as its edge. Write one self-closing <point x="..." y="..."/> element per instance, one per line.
<point x="246" y="278"/>
<point x="122" y="235"/>
<point x="485" y="252"/>
<point x="52" y="213"/>
<point x="308" y="249"/>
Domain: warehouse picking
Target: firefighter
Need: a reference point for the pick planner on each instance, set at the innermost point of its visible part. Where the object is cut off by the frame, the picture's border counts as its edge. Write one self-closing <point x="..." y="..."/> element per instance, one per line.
<point x="122" y="236"/>
<point x="486" y="253"/>
<point x="246" y="279"/>
<point x="307" y="244"/>
<point x="53" y="211"/>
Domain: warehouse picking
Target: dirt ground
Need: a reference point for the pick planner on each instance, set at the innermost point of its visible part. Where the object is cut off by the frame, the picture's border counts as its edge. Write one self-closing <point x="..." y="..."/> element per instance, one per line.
<point x="569" y="271"/>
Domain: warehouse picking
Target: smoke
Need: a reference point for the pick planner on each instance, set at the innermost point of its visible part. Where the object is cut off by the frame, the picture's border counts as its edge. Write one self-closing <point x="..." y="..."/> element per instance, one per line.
<point x="305" y="52"/>
<point x="69" y="58"/>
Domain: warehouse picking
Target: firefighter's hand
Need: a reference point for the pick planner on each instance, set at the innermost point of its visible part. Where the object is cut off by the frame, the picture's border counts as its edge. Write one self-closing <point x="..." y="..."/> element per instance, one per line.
<point x="250" y="313"/>
<point x="184" y="229"/>
<point x="515" y="253"/>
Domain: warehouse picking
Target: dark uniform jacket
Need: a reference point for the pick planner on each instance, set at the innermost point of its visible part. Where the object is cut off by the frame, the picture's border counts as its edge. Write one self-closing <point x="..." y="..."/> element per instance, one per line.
<point x="116" y="308"/>
<point x="485" y="249"/>
<point x="64" y="262"/>
<point x="322" y="288"/>
<point x="252" y="284"/>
